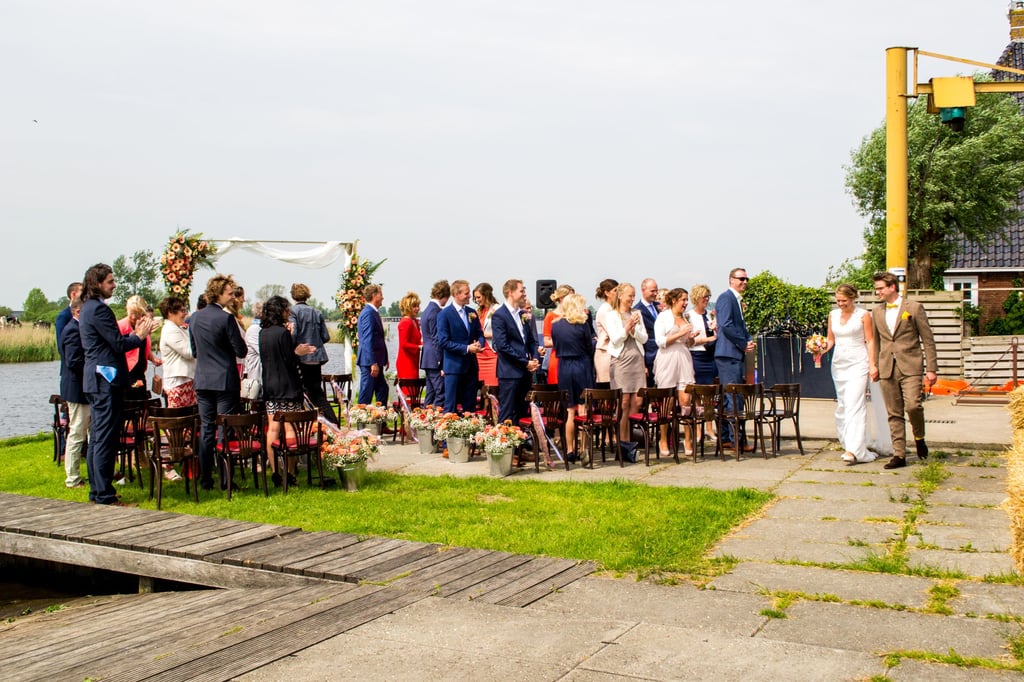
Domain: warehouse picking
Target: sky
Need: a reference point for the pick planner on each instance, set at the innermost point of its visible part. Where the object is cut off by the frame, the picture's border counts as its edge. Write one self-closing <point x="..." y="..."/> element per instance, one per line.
<point x="458" y="139"/>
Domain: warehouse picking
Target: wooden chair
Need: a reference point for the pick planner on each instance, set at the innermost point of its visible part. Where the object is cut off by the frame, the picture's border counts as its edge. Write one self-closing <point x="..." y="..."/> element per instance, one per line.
<point x="784" y="404"/>
<point x="305" y="445"/>
<point x="60" y="427"/>
<point x="747" y="404"/>
<point x="414" y="391"/>
<point x="131" y="438"/>
<point x="552" y="406"/>
<point x="705" y="401"/>
<point x="344" y="388"/>
<point x="601" y="422"/>
<point x="489" y="408"/>
<point x="174" y="440"/>
<point x="658" y="409"/>
<point x="240" y="440"/>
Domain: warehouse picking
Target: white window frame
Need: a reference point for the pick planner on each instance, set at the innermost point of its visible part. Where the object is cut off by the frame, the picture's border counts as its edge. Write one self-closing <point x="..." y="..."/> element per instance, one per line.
<point x="971" y="282"/>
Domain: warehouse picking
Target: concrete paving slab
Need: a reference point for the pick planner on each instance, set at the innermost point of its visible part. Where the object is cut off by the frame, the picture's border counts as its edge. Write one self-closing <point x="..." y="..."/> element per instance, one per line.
<point x="787" y="531"/>
<point x="881" y="630"/>
<point x="658" y="652"/>
<point x="978" y="483"/>
<point x="840" y="493"/>
<point x="981" y="539"/>
<point x="849" y="510"/>
<point x="679" y="605"/>
<point x="918" y="671"/>
<point x="974" y="564"/>
<point x="754" y="577"/>
<point x="770" y="550"/>
<point x="968" y="498"/>
<point x="854" y="475"/>
<point x="989" y="598"/>
<point x="969" y="517"/>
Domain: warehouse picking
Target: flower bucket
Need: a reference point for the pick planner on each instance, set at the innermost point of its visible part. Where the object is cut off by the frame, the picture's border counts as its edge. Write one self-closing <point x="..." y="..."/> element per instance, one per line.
<point x="458" y="449"/>
<point x="500" y="463"/>
<point x="352" y="476"/>
<point x="426" y="439"/>
<point x="372" y="427"/>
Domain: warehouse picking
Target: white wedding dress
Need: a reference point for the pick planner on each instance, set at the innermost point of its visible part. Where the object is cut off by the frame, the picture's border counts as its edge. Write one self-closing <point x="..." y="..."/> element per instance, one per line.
<point x="861" y="431"/>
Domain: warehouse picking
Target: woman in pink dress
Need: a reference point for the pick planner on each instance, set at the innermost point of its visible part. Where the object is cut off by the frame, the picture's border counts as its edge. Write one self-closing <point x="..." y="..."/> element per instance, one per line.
<point x="487" y="358"/>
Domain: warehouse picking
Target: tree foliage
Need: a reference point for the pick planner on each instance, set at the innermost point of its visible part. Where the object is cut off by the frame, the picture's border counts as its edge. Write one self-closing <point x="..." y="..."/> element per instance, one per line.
<point x="140" y="277"/>
<point x="775" y="306"/>
<point x="38" y="307"/>
<point x="960" y="183"/>
<point x="1013" y="320"/>
<point x="268" y="290"/>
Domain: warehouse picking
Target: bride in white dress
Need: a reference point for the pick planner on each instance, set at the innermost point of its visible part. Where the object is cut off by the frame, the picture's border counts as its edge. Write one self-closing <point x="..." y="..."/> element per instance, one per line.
<point x="851" y="333"/>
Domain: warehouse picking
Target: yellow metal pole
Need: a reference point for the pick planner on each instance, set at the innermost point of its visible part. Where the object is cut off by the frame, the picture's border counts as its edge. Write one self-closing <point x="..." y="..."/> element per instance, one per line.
<point x="896" y="160"/>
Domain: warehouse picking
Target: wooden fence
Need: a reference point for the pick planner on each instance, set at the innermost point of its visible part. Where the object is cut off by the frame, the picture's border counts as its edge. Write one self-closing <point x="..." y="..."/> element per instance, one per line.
<point x="989" y="360"/>
<point x="943" y="308"/>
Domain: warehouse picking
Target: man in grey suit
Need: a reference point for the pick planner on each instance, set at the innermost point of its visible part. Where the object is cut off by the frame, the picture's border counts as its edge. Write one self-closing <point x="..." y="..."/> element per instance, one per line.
<point x="431" y="356"/>
<point x="216" y="342"/>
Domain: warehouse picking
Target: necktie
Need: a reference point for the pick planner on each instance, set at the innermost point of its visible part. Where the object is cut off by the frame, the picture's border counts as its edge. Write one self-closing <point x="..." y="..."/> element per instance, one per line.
<point x="465" y="319"/>
<point x="890" y="306"/>
<point x="654" y="311"/>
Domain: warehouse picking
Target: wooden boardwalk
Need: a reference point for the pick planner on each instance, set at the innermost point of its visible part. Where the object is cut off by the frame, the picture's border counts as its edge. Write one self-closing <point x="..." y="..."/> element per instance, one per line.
<point x="286" y="589"/>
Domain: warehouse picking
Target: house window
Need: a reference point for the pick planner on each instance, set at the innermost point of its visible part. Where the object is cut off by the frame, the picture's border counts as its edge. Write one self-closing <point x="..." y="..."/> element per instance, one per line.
<point x="968" y="285"/>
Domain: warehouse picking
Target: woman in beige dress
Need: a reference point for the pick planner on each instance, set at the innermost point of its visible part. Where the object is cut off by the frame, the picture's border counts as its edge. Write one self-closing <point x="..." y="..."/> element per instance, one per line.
<point x="626" y="338"/>
<point x="602" y="361"/>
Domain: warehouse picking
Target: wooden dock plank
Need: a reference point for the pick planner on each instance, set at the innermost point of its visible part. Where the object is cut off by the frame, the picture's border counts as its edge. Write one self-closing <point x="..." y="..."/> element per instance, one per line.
<point x="310" y="566"/>
<point x="241" y="538"/>
<point x="542" y="589"/>
<point x="444" y="555"/>
<point x="204" y="529"/>
<point x="452" y="569"/>
<point x="38" y="522"/>
<point x="142" y="536"/>
<point x="289" y="550"/>
<point x="488" y="578"/>
<point x="395" y="561"/>
<point x="540" y="570"/>
<point x="396" y="553"/>
<point x="338" y="562"/>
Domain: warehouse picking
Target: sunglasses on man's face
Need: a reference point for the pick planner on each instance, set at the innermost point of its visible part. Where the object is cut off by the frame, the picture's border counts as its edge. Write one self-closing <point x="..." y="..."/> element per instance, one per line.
<point x="742" y="279"/>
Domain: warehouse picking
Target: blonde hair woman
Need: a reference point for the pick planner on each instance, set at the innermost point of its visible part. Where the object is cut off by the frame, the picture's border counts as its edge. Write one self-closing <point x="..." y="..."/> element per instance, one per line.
<point x="572" y="340"/>
<point x="136" y="309"/>
<point x="626" y="339"/>
<point x="549" y="319"/>
<point x="410" y="339"/>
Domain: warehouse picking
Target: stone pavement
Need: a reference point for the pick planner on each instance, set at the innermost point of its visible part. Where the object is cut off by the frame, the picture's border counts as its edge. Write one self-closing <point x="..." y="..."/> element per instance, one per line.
<point x="793" y="606"/>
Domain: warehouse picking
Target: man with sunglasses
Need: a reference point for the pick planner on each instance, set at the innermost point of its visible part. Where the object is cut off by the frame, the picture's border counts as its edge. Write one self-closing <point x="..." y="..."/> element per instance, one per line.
<point x="733" y="344"/>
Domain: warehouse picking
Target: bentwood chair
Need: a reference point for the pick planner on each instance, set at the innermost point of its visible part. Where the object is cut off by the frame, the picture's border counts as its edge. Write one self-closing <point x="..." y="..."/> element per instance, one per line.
<point x="241" y="440"/>
<point x="303" y="444"/>
<point x="338" y="389"/>
<point x="600" y="424"/>
<point x="784" y="404"/>
<point x="413" y="391"/>
<point x="131" y="438"/>
<point x="746" y="404"/>
<point x="60" y="427"/>
<point x="705" y="402"/>
<point x="174" y="440"/>
<point x="552" y="407"/>
<point x="657" y="410"/>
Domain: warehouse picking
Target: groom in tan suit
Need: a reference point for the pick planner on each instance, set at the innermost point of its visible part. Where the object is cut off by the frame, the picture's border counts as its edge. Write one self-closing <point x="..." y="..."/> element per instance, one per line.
<point x="901" y="328"/>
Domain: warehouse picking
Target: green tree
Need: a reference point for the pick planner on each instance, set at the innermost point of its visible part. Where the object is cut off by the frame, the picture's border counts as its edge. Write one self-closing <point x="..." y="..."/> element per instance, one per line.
<point x="392" y="310"/>
<point x="960" y="184"/>
<point x="268" y="290"/>
<point x="775" y="305"/>
<point x="1013" y="320"/>
<point x="137" y="277"/>
<point x="37" y="307"/>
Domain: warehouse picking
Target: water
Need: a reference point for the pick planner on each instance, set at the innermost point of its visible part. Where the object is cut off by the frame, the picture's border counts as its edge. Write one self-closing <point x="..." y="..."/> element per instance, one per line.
<point x="26" y="387"/>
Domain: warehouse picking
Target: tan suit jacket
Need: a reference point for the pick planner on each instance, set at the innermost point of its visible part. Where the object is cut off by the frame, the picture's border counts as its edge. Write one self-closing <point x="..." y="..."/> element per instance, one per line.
<point x="902" y="347"/>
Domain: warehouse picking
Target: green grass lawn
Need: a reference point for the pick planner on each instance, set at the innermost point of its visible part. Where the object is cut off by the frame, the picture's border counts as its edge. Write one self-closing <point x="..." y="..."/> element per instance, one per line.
<point x="625" y="527"/>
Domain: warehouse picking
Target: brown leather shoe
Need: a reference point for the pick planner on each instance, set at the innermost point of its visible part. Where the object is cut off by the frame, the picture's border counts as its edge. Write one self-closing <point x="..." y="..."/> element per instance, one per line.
<point x="895" y="463"/>
<point x="749" y="448"/>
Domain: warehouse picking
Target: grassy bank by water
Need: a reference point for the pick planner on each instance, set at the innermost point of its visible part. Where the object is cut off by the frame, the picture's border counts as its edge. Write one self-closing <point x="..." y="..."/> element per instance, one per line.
<point x="27" y="344"/>
<point x="625" y="527"/>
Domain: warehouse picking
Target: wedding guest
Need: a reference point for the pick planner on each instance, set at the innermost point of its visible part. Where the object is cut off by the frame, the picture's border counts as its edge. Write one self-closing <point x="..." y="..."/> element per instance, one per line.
<point x="432" y="355"/>
<point x="136" y="309"/>
<point x="64" y="316"/>
<point x="487" y="358"/>
<point x="252" y="378"/>
<point x="626" y="338"/>
<point x="703" y="321"/>
<point x="72" y="362"/>
<point x="733" y="344"/>
<point x="410" y="340"/>
<point x="310" y="328"/>
<point x="574" y="344"/>
<point x="549" y="319"/>
<point x="648" y="307"/>
<point x="673" y="366"/>
<point x="602" y="361"/>
<point x="176" y="349"/>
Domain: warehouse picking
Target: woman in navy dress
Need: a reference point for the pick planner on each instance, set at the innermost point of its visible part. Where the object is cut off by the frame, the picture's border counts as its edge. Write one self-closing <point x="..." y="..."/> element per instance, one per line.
<point x="574" y="344"/>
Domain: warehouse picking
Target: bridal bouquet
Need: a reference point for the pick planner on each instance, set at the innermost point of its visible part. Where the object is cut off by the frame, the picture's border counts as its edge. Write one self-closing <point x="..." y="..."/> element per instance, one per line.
<point x="817" y="345"/>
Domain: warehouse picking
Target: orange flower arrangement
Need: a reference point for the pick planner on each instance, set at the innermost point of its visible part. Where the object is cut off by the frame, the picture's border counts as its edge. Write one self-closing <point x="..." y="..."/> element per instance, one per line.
<point x="178" y="263"/>
<point x="349" y="298"/>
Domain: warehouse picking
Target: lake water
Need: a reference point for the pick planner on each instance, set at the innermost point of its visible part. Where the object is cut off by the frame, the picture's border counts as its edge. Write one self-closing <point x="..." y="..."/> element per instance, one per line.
<point x="26" y="387"/>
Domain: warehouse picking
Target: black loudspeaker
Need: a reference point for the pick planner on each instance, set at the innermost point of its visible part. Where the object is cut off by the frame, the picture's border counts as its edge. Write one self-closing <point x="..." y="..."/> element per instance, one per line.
<point x="545" y="287"/>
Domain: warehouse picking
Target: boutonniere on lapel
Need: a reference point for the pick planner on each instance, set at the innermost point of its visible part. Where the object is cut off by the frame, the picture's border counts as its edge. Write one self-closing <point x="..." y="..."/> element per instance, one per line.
<point x="472" y="317"/>
<point x="905" y="315"/>
<point x="525" y="318"/>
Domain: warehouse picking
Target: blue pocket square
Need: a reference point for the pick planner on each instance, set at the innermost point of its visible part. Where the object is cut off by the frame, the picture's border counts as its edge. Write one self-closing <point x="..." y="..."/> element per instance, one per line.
<point x="108" y="373"/>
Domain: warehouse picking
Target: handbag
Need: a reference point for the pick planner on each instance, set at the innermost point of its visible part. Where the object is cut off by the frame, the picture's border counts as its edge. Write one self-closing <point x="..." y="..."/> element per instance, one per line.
<point x="627" y="450"/>
<point x="251" y="388"/>
<point x="158" y="384"/>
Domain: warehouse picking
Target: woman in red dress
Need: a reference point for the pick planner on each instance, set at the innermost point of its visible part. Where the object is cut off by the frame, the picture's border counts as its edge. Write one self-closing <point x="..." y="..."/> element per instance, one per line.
<point x="410" y="341"/>
<point x="487" y="358"/>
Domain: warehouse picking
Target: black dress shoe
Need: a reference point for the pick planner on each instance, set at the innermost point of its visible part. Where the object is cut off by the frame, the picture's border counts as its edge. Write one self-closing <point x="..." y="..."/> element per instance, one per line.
<point x="895" y="463"/>
<point x="276" y="479"/>
<point x="292" y="480"/>
<point x="922" y="449"/>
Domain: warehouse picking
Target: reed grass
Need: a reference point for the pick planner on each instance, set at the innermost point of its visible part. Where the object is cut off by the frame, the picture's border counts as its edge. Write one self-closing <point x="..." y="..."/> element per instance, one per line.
<point x="623" y="526"/>
<point x="28" y="344"/>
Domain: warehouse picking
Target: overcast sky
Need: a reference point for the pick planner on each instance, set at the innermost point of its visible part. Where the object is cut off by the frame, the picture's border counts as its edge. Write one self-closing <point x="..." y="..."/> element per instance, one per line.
<point x="460" y="139"/>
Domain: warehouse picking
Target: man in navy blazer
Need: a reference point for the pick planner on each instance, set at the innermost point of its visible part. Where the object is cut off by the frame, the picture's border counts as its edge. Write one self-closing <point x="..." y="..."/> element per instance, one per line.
<point x="372" y="357"/>
<point x="431" y="355"/>
<point x="733" y="344"/>
<point x="460" y="338"/>
<point x="513" y="336"/>
<point x="216" y="343"/>
<point x="104" y="376"/>
<point x="72" y="363"/>
<point x="648" y="307"/>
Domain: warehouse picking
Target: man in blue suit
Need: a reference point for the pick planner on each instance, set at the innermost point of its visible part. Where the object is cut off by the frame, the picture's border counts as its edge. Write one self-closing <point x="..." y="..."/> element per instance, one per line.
<point x="72" y="362"/>
<point x="372" y="357"/>
<point x="64" y="316"/>
<point x="516" y="346"/>
<point x="104" y="376"/>
<point x="216" y="342"/>
<point x="733" y="344"/>
<point x="460" y="338"/>
<point x="648" y="307"/>
<point x="431" y="355"/>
